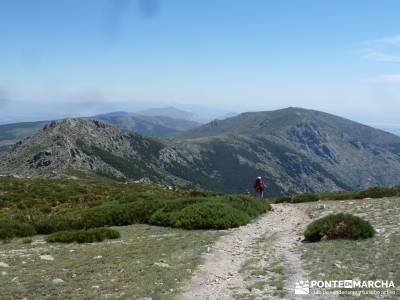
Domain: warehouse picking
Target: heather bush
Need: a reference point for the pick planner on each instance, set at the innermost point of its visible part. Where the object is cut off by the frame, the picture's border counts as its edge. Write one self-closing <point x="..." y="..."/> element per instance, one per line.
<point x="306" y="197"/>
<point x="83" y="236"/>
<point x="203" y="215"/>
<point x="10" y="229"/>
<point x="47" y="206"/>
<point x="335" y="226"/>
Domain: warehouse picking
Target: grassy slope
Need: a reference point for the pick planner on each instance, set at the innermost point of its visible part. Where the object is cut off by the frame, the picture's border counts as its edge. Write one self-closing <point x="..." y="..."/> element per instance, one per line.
<point x="145" y="261"/>
<point x="51" y="205"/>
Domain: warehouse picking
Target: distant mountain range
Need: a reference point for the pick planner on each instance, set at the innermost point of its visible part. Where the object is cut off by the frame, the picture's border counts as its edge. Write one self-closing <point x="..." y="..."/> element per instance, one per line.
<point x="158" y="125"/>
<point x="170" y="112"/>
<point x="295" y="150"/>
<point x="12" y="133"/>
<point x="165" y="121"/>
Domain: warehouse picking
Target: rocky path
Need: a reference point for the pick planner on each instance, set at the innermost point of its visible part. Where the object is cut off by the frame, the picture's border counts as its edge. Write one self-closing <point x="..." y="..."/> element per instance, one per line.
<point x="220" y="276"/>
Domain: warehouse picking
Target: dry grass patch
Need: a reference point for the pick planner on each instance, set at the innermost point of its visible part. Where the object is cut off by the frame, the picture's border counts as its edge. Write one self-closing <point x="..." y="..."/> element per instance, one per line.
<point x="146" y="261"/>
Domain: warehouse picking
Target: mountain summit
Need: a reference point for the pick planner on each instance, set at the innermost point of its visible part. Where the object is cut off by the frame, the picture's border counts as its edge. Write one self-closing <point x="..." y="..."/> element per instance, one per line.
<point x="299" y="149"/>
<point x="295" y="150"/>
<point x="87" y="147"/>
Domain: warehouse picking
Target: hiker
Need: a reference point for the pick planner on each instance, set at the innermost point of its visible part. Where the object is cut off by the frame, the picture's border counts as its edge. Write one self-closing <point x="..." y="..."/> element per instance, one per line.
<point x="259" y="186"/>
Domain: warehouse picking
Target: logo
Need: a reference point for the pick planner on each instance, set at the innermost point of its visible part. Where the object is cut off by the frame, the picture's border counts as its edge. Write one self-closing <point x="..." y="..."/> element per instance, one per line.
<point x="345" y="287"/>
<point x="348" y="284"/>
<point x="302" y="287"/>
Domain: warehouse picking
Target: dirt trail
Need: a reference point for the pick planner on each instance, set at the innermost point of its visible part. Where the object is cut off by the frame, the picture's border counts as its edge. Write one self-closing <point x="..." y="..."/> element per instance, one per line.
<point x="219" y="274"/>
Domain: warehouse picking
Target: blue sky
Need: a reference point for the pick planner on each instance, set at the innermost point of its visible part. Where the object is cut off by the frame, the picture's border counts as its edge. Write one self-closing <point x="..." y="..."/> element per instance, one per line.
<point x="338" y="56"/>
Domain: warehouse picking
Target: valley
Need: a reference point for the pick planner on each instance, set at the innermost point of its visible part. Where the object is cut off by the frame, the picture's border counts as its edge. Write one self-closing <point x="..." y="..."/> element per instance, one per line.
<point x="82" y="173"/>
<point x="295" y="150"/>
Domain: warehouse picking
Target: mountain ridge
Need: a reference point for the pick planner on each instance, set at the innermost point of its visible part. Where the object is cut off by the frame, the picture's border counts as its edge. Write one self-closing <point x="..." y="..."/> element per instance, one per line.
<point x="352" y="154"/>
<point x="74" y="145"/>
<point x="281" y="118"/>
<point x="295" y="150"/>
<point x="169" y="111"/>
<point x="146" y="125"/>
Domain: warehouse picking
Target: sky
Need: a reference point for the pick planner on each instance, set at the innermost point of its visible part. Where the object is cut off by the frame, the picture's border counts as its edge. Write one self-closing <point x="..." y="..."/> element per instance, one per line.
<point x="80" y="57"/>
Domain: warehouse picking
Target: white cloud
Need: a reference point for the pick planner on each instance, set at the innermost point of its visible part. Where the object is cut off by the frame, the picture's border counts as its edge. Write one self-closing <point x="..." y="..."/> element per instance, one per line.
<point x="386" y="49"/>
<point x="381" y="56"/>
<point x="388" y="41"/>
<point x="393" y="40"/>
<point x="389" y="78"/>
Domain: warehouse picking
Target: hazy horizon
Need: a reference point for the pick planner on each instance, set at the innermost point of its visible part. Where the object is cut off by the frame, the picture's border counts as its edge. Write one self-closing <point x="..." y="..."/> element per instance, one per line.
<point x="204" y="114"/>
<point x="79" y="58"/>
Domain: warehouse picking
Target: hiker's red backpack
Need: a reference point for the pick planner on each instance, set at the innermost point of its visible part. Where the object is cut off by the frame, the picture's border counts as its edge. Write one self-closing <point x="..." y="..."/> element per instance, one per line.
<point x="259" y="185"/>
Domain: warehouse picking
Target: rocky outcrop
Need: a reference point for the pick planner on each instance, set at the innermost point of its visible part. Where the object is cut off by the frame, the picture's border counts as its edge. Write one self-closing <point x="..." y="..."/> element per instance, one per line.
<point x="86" y="146"/>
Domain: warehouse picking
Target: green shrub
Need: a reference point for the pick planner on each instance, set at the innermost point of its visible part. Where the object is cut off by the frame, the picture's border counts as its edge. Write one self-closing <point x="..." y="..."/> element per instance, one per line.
<point x="162" y="218"/>
<point x="6" y="233"/>
<point x="23" y="230"/>
<point x="50" y="224"/>
<point x="306" y="197"/>
<point x="110" y="214"/>
<point x="378" y="192"/>
<point x="62" y="237"/>
<point x="201" y="193"/>
<point x="83" y="236"/>
<point x="375" y="192"/>
<point x="10" y="229"/>
<point x="340" y="195"/>
<point x="204" y="215"/>
<point x="336" y="226"/>
<point x="142" y="210"/>
<point x="284" y="199"/>
<point x="53" y="205"/>
<point x="300" y="198"/>
<point x="253" y="206"/>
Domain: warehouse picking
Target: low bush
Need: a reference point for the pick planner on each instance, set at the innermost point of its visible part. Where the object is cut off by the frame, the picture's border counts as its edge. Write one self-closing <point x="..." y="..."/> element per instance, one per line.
<point x="378" y="192"/>
<point x="50" y="206"/>
<point x="10" y="229"/>
<point x="375" y="192"/>
<point x="201" y="193"/>
<point x="204" y="215"/>
<point x="62" y="237"/>
<point x="306" y="197"/>
<point x="340" y="195"/>
<point x="110" y="214"/>
<point x="335" y="226"/>
<point x="53" y="223"/>
<point x="142" y="210"/>
<point x="283" y="199"/>
<point x="83" y="236"/>
<point x="250" y="205"/>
